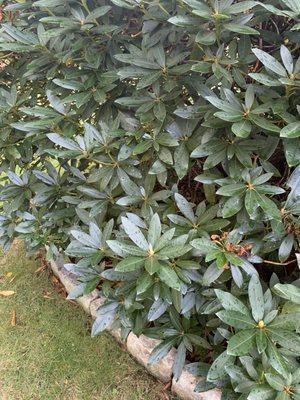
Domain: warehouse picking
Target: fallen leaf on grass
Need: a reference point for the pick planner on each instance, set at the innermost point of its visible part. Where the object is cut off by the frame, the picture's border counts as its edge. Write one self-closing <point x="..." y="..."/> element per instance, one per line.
<point x="6" y="293"/>
<point x="47" y="297"/>
<point x="8" y="274"/>
<point x="55" y="281"/>
<point x="41" y="269"/>
<point x="122" y="347"/>
<point x="13" y="321"/>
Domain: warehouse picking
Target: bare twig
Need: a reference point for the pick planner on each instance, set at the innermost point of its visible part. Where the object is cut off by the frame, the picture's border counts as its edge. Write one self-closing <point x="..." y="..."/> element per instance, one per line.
<point x="279" y="263"/>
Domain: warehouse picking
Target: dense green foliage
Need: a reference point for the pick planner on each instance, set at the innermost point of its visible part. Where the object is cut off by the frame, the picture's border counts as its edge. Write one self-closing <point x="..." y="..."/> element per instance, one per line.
<point x="157" y="143"/>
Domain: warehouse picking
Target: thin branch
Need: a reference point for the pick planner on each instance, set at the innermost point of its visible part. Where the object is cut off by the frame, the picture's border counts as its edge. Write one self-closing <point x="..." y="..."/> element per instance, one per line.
<point x="279" y="263"/>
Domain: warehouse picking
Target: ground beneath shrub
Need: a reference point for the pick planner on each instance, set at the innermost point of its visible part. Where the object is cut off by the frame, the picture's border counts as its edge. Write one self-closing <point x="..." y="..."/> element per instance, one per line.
<point x="46" y="351"/>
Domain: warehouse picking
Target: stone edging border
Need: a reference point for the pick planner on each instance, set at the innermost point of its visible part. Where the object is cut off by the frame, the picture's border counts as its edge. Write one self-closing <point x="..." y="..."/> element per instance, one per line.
<point x="139" y="347"/>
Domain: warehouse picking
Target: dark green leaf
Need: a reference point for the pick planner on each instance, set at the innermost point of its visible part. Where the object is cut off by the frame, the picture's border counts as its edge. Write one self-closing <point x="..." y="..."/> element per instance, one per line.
<point x="256" y="298"/>
<point x="161" y="350"/>
<point x="241" y="343"/>
<point x="130" y="264"/>
<point x="288" y="291"/>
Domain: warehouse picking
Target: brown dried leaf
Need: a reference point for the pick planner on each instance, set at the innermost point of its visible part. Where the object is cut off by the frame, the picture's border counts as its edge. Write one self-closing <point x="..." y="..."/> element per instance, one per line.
<point x="55" y="281"/>
<point x="13" y="321"/>
<point x="40" y="270"/>
<point x="7" y="293"/>
<point x="48" y="295"/>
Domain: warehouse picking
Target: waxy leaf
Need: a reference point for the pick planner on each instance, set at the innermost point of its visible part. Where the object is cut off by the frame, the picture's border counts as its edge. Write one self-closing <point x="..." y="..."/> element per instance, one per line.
<point x="256" y="298"/>
<point x="269" y="62"/>
<point x="217" y="369"/>
<point x="130" y="264"/>
<point x="241" y="343"/>
<point x="135" y="234"/>
<point x="288" y="291"/>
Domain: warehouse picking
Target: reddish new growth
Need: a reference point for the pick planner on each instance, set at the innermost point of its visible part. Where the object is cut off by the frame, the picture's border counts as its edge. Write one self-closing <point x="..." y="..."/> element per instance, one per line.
<point x="239" y="250"/>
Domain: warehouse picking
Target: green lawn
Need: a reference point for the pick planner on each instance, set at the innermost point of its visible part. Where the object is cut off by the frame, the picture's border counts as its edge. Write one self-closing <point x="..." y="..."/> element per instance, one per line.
<point x="49" y="353"/>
